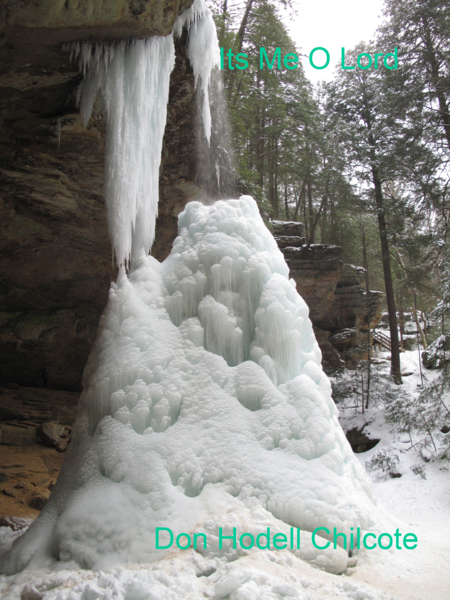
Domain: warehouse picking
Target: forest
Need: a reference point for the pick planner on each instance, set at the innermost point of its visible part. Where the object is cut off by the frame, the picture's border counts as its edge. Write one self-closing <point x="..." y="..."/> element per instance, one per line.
<point x="362" y="161"/>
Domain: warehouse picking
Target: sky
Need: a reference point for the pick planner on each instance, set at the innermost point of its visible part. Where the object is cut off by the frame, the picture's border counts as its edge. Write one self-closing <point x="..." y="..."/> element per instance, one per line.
<point x="332" y="24"/>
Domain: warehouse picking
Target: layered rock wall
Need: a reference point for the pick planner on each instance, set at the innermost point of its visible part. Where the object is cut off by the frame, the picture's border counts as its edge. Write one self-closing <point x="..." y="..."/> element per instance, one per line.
<point x="339" y="307"/>
<point x="55" y="255"/>
<point x="352" y="315"/>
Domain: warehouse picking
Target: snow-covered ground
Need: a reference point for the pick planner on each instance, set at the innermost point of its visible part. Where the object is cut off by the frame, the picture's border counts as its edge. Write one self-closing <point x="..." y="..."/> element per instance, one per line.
<point x="416" y="505"/>
<point x="419" y="503"/>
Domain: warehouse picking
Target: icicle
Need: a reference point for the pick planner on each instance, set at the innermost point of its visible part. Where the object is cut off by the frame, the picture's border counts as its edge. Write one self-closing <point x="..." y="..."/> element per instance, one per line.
<point x="133" y="80"/>
<point x="203" y="51"/>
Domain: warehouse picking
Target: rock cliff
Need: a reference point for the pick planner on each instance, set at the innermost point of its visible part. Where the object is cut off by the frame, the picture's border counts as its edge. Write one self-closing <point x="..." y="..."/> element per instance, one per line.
<point x="55" y="256"/>
<point x="339" y="307"/>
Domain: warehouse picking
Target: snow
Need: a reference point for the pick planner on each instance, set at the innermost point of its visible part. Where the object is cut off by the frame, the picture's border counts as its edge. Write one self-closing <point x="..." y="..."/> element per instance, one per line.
<point x="266" y="575"/>
<point x="416" y="504"/>
<point x="217" y="421"/>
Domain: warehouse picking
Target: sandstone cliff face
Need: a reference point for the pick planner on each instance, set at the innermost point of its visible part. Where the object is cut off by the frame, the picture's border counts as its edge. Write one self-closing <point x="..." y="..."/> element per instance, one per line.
<point x="352" y="314"/>
<point x="338" y="306"/>
<point x="52" y="22"/>
<point x="55" y="256"/>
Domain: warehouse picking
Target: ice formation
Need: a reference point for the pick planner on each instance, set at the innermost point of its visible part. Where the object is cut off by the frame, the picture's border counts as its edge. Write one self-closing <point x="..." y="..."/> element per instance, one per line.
<point x="203" y="52"/>
<point x="133" y="81"/>
<point x="204" y="401"/>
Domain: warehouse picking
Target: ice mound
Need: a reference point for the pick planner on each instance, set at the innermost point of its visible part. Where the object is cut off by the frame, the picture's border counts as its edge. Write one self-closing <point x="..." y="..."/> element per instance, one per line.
<point x="203" y="398"/>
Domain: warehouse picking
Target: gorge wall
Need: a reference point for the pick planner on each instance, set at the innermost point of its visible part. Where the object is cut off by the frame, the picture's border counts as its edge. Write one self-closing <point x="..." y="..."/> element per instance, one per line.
<point x="55" y="255"/>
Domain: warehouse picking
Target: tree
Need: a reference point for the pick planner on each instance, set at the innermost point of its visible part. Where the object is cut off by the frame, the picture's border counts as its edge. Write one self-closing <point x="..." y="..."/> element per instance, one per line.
<point x="442" y="310"/>
<point x="421" y="31"/>
<point x="357" y="99"/>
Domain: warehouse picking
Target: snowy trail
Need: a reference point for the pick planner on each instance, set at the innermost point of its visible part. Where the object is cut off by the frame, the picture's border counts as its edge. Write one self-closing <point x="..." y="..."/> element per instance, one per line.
<point x="417" y="505"/>
<point x="265" y="575"/>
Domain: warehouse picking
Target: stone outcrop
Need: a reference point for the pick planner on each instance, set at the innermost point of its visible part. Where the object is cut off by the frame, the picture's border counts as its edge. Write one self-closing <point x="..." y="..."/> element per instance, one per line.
<point x="55" y="255"/>
<point x="351" y="314"/>
<point x="333" y="291"/>
<point x="29" y="465"/>
<point x="49" y="23"/>
<point x="316" y="270"/>
<point x="360" y="441"/>
<point x="438" y="353"/>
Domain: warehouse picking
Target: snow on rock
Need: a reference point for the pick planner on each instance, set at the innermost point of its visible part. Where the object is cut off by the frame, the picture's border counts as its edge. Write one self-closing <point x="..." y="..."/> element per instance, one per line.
<point x="203" y="398"/>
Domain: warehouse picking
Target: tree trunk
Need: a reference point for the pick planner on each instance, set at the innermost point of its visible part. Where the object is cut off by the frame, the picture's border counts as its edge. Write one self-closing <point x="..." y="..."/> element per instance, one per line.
<point x="401" y="320"/>
<point x="305" y="218"/>
<point x="302" y="189"/>
<point x="389" y="287"/>
<point x="311" y="214"/>
<point x="366" y="277"/>
<point x="242" y="28"/>
<point x="438" y="81"/>
<point x="275" y="178"/>
<point x="323" y="228"/>
<point x="286" y="207"/>
<point x="423" y="339"/>
<point x="390" y="298"/>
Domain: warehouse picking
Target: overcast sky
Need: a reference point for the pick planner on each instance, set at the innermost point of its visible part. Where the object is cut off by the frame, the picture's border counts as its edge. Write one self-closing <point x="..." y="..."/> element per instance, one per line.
<point x="333" y="24"/>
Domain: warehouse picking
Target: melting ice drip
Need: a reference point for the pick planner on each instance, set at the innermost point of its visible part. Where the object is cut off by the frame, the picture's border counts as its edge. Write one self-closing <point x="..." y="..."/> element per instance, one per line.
<point x="204" y="401"/>
<point x="133" y="80"/>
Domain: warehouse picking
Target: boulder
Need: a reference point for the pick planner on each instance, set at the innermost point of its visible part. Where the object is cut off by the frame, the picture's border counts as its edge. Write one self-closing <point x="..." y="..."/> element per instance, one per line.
<point x="51" y="433"/>
<point x="437" y="353"/>
<point x="359" y="441"/>
<point x="37" y="502"/>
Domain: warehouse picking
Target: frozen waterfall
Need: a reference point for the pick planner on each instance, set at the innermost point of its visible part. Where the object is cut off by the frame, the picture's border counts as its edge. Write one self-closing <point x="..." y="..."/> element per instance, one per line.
<point x="204" y="402"/>
<point x="133" y="81"/>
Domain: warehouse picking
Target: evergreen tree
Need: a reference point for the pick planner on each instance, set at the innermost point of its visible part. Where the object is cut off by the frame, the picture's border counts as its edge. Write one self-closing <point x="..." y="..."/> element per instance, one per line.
<point x="358" y="101"/>
<point x="421" y="31"/>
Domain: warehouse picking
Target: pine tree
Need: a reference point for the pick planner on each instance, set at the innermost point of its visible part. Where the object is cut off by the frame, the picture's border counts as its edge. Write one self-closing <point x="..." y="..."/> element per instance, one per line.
<point x="358" y="101"/>
<point x="421" y="31"/>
